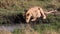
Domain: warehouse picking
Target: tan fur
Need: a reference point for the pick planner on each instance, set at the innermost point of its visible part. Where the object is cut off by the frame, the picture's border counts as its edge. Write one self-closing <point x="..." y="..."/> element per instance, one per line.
<point x="34" y="12"/>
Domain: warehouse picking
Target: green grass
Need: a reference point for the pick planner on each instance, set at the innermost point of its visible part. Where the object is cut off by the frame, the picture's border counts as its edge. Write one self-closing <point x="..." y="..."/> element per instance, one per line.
<point x="15" y="7"/>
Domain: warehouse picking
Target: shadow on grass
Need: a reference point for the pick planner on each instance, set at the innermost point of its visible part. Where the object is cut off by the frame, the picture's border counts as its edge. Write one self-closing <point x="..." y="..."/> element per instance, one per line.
<point x="19" y="18"/>
<point x="13" y="19"/>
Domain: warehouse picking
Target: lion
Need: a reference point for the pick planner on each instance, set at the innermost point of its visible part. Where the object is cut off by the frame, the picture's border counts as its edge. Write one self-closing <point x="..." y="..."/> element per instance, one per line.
<point x="35" y="12"/>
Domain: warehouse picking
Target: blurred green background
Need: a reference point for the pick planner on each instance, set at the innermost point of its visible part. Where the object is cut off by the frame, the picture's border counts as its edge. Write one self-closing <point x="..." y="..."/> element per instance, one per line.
<point x="11" y="9"/>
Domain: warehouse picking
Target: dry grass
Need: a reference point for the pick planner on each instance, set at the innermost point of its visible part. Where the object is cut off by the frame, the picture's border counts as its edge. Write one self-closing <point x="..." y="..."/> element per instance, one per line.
<point x="29" y="30"/>
<point x="50" y="32"/>
<point x="5" y="32"/>
<point x="26" y="30"/>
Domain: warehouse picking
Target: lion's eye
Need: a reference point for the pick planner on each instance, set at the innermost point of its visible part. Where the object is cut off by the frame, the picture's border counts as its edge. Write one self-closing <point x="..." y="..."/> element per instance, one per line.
<point x="27" y="14"/>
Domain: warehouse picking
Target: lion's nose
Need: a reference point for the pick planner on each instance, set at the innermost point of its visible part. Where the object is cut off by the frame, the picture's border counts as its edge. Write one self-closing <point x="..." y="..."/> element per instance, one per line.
<point x="27" y="21"/>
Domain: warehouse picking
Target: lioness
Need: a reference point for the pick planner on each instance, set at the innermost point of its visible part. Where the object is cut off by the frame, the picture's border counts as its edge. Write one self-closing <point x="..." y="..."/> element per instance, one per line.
<point x="34" y="13"/>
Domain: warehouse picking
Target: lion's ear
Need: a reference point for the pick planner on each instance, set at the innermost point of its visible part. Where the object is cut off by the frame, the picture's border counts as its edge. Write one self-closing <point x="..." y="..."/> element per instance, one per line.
<point x="28" y="14"/>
